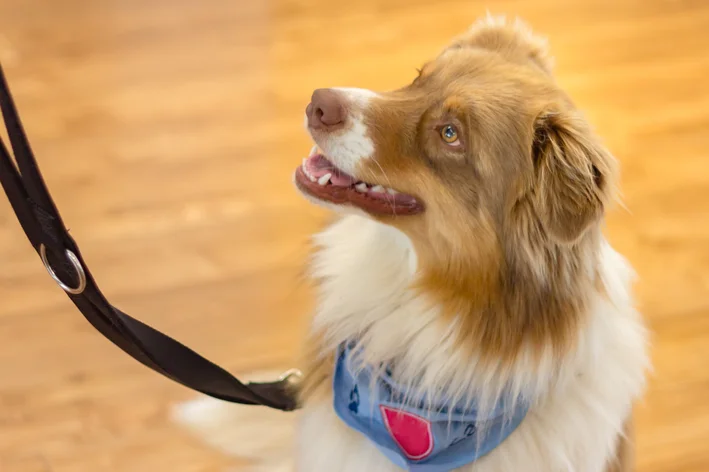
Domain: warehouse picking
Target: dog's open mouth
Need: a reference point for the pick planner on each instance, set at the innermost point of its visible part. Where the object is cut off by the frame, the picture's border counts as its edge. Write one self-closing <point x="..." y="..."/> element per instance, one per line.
<point x="321" y="179"/>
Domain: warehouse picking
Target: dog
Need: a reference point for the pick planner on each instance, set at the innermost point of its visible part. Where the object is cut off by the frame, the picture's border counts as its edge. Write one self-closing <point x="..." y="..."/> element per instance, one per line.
<point x="471" y="315"/>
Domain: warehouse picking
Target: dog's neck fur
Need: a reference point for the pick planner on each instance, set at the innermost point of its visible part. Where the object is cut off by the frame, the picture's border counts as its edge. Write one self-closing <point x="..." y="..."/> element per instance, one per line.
<point x="365" y="272"/>
<point x="582" y="400"/>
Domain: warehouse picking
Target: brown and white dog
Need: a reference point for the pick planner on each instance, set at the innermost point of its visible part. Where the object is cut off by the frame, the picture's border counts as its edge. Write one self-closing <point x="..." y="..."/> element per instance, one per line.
<point x="468" y="254"/>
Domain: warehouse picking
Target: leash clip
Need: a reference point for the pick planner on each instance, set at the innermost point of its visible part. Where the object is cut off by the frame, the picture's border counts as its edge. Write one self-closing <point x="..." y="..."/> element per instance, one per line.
<point x="295" y="374"/>
<point x="77" y="267"/>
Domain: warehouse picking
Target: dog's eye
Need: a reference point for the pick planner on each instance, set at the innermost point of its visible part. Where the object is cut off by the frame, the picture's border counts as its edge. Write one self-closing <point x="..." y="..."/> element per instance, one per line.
<point x="450" y="135"/>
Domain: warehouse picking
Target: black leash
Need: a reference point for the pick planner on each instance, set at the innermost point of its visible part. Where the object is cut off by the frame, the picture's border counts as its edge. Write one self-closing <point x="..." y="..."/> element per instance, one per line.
<point x="40" y="219"/>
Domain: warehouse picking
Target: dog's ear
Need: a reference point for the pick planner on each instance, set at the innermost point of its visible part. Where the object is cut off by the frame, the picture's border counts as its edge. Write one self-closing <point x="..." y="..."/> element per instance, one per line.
<point x="574" y="175"/>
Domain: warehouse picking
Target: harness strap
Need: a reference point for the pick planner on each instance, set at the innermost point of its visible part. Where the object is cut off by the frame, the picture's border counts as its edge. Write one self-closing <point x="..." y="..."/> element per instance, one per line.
<point x="40" y="219"/>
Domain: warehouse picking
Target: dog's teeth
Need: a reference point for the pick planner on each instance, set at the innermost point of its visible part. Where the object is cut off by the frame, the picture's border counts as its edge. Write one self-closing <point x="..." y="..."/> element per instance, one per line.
<point x="312" y="179"/>
<point x="361" y="187"/>
<point x="391" y="191"/>
<point x="305" y="159"/>
<point x="378" y="189"/>
<point x="313" y="150"/>
<point x="324" y="179"/>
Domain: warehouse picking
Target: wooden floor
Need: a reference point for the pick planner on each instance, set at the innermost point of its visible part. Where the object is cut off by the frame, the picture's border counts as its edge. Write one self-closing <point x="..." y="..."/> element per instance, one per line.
<point x="167" y="131"/>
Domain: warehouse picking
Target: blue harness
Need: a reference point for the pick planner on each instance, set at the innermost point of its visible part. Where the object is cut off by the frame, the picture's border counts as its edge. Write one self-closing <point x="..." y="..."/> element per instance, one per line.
<point x="414" y="434"/>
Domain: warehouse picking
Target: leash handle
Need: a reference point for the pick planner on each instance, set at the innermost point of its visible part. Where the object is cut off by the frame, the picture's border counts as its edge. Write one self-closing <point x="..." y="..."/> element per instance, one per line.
<point x="43" y="225"/>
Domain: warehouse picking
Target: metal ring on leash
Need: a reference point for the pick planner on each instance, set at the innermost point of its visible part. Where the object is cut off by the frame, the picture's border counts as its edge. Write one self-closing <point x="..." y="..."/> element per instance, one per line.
<point x="77" y="267"/>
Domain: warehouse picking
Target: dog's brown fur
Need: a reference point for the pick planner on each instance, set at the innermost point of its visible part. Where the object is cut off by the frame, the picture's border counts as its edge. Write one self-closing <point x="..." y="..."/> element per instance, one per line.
<point x="509" y="292"/>
<point x="512" y="216"/>
<point x="513" y="213"/>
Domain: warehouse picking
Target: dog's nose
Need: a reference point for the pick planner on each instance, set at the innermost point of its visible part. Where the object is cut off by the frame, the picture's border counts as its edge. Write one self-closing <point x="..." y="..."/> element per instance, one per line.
<point x="326" y="110"/>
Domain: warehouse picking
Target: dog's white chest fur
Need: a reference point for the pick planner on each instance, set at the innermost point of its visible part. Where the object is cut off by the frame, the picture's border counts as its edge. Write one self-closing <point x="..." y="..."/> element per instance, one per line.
<point x="574" y="426"/>
<point x="364" y="268"/>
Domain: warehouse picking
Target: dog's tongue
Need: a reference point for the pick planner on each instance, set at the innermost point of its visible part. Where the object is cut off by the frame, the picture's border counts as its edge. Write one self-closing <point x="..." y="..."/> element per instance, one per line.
<point x="317" y="165"/>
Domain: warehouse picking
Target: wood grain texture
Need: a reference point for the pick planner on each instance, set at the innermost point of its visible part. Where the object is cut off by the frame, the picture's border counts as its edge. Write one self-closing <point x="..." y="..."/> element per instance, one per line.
<point x="168" y="130"/>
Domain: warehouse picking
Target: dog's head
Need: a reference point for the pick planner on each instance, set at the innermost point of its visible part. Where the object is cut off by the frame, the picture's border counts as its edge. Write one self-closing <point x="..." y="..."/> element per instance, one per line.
<point x="482" y="160"/>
